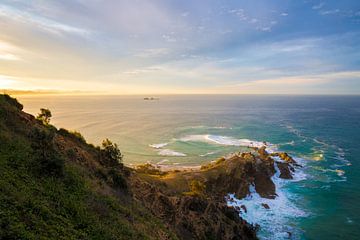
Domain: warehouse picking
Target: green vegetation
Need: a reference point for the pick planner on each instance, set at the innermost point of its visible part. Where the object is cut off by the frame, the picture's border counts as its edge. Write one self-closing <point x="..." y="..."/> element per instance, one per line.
<point x="46" y="159"/>
<point x="72" y="134"/>
<point x="148" y="168"/>
<point x="44" y="116"/>
<point x="197" y="188"/>
<point x="46" y="195"/>
<point x="111" y="154"/>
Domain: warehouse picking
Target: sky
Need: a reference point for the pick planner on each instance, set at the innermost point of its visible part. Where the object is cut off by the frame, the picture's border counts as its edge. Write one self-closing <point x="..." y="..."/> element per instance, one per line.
<point x="181" y="46"/>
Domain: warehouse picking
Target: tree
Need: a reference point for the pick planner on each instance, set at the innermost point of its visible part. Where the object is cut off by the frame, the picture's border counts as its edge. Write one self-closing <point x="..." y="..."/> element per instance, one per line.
<point x="44" y="116"/>
<point x="111" y="152"/>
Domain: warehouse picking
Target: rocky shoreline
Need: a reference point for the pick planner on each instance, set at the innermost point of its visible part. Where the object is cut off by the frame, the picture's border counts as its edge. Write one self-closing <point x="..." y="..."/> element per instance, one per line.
<point x="145" y="201"/>
<point x="170" y="195"/>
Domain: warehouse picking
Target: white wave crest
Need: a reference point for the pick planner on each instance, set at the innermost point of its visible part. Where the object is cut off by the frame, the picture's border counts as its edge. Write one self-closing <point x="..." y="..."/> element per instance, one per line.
<point x="223" y="140"/>
<point x="207" y="154"/>
<point x="158" y="145"/>
<point x="169" y="152"/>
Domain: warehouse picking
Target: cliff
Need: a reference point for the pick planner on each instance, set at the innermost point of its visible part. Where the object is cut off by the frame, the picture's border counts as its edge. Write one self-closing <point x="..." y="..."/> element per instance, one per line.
<point x="55" y="185"/>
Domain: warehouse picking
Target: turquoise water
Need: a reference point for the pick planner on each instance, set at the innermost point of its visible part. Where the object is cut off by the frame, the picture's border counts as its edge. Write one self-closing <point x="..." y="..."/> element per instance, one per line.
<point x="323" y="132"/>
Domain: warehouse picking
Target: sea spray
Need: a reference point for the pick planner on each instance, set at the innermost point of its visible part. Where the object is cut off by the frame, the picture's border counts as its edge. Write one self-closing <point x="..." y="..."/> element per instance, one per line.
<point x="272" y="215"/>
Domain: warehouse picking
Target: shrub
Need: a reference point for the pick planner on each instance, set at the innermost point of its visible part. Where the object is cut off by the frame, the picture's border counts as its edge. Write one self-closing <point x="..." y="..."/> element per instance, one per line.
<point x="48" y="162"/>
<point x="72" y="134"/>
<point x="71" y="153"/>
<point x="149" y="169"/>
<point x="118" y="179"/>
<point x="197" y="187"/>
<point x="44" y="116"/>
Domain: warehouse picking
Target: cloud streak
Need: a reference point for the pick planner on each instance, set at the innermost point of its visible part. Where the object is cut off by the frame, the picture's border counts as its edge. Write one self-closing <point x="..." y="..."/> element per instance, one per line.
<point x="181" y="46"/>
<point x="42" y="23"/>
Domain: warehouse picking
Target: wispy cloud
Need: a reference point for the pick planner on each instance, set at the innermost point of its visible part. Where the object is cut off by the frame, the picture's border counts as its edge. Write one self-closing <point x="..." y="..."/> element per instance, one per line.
<point x="318" y="6"/>
<point x="41" y="23"/>
<point x="187" y="45"/>
<point x="330" y="12"/>
<point x="306" y="79"/>
<point x="152" y="52"/>
<point x="8" y="51"/>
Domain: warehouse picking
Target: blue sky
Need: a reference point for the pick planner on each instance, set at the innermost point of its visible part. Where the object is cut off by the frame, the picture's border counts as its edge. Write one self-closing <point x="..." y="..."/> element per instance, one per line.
<point x="143" y="46"/>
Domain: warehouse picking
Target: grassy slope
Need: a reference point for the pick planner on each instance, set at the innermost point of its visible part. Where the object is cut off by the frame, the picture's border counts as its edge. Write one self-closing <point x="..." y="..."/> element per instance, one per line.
<point x="74" y="205"/>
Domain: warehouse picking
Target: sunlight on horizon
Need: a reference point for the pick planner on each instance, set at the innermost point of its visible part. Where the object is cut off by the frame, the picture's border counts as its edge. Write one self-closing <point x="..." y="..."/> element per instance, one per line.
<point x="180" y="47"/>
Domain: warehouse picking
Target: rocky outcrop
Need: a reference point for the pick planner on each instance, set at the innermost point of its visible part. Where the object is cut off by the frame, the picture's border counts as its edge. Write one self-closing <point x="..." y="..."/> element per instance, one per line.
<point x="201" y="214"/>
<point x="193" y="217"/>
<point x="285" y="170"/>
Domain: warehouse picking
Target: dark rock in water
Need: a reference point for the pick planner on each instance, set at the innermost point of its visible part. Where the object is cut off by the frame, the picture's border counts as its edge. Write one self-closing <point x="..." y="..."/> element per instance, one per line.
<point x="243" y="208"/>
<point x="284" y="168"/>
<point x="265" y="169"/>
<point x="266" y="206"/>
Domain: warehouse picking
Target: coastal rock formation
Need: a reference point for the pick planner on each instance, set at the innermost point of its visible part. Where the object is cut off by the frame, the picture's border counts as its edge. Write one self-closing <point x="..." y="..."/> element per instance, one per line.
<point x="171" y="196"/>
<point x="75" y="185"/>
<point x="194" y="217"/>
<point x="285" y="170"/>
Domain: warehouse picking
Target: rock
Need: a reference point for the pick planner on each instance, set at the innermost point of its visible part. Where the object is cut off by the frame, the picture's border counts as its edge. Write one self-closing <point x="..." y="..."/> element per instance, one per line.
<point x="266" y="206"/>
<point x="243" y="207"/>
<point x="263" y="153"/>
<point x="284" y="156"/>
<point x="284" y="169"/>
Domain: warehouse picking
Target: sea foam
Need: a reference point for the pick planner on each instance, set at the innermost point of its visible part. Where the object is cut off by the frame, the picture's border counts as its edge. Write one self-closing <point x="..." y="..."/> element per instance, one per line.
<point x="222" y="140"/>
<point x="158" y="145"/>
<point x="274" y="222"/>
<point x="169" y="152"/>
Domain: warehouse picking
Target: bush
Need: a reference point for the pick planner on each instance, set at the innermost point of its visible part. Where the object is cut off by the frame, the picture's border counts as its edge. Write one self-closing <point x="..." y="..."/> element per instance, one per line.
<point x="118" y="179"/>
<point x="48" y="162"/>
<point x="72" y="134"/>
<point x="71" y="153"/>
<point x="197" y="187"/>
<point x="149" y="169"/>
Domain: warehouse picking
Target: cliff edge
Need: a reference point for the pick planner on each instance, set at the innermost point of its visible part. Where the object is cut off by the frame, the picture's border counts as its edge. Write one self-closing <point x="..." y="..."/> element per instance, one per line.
<point x="55" y="185"/>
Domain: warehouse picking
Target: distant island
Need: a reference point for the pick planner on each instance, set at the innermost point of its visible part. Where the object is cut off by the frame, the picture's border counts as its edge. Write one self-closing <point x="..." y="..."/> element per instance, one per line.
<point x="151" y="98"/>
<point x="56" y="185"/>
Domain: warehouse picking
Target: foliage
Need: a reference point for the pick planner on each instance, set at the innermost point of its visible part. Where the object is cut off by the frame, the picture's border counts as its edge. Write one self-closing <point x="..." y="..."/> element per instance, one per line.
<point x="72" y="134"/>
<point x="196" y="188"/>
<point x="45" y="206"/>
<point x="118" y="179"/>
<point x="111" y="154"/>
<point x="12" y="101"/>
<point x="47" y="162"/>
<point x="44" y="116"/>
<point x="149" y="169"/>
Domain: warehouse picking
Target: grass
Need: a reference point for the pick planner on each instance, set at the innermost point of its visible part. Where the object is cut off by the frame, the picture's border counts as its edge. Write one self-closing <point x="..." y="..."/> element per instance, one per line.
<point x="35" y="205"/>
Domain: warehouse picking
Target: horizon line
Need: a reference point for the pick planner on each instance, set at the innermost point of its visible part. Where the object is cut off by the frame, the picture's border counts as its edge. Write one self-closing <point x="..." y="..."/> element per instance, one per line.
<point x="51" y="92"/>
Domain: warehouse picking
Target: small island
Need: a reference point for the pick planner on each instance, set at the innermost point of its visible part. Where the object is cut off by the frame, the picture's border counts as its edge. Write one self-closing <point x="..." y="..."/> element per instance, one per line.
<point x="151" y="98"/>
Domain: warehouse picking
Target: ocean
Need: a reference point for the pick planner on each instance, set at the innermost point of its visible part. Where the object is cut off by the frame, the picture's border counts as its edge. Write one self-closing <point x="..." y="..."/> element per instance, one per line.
<point x="321" y="132"/>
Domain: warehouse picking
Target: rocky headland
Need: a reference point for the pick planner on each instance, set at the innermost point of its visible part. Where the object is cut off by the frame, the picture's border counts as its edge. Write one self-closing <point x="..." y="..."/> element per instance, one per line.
<point x="44" y="184"/>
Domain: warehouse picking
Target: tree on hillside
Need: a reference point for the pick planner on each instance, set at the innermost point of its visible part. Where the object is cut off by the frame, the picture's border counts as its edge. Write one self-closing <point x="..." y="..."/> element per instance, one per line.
<point x="111" y="153"/>
<point x="44" y="116"/>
